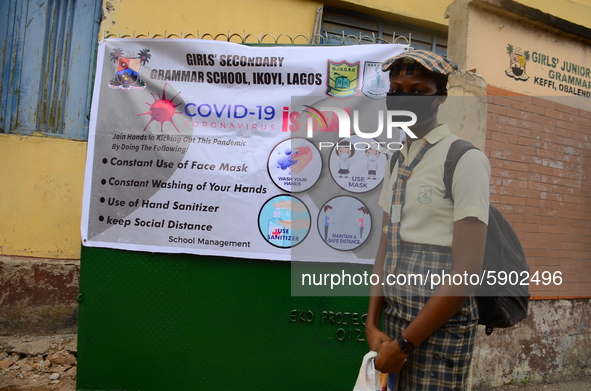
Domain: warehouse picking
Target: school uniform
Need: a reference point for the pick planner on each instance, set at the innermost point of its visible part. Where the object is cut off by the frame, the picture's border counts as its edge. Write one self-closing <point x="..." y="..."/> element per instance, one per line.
<point x="424" y="224"/>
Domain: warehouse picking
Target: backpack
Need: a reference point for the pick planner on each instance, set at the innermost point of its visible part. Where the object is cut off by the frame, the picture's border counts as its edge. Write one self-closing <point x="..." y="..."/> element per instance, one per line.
<point x="499" y="305"/>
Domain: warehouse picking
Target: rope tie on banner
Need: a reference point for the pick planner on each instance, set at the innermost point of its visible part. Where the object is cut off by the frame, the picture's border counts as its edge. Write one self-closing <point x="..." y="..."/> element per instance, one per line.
<point x="325" y="39"/>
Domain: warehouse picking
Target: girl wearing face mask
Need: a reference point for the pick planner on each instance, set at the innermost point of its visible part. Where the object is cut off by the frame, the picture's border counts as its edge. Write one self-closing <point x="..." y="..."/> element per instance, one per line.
<point x="428" y="333"/>
<point x="344" y="151"/>
<point x="372" y="162"/>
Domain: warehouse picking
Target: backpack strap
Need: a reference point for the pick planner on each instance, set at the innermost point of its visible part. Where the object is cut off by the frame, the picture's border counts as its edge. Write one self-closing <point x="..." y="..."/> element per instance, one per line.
<point x="456" y="150"/>
<point x="393" y="160"/>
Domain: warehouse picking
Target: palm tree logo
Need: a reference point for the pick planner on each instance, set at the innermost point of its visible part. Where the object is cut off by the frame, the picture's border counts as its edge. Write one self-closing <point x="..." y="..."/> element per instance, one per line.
<point x="517" y="61"/>
<point x="127" y="69"/>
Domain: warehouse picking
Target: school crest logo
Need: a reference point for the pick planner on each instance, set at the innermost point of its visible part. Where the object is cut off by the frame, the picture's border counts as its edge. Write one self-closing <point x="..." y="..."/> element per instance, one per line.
<point x="342" y="79"/>
<point x="127" y="69"/>
<point x="517" y="61"/>
<point x="425" y="194"/>
<point x="375" y="82"/>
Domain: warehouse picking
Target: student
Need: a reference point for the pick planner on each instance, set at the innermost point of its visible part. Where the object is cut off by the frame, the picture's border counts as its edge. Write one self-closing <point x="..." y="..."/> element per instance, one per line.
<point x="372" y="155"/>
<point x="428" y="336"/>
<point x="345" y="152"/>
<point x="327" y="220"/>
<point x="361" y="219"/>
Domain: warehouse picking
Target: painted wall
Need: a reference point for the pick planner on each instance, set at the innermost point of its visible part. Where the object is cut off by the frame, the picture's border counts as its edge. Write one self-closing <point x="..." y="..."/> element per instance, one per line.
<point x="575" y="11"/>
<point x="287" y="16"/>
<point x="45" y="225"/>
<point x="237" y="16"/>
<point x="431" y="13"/>
<point x="551" y="344"/>
<point x="428" y="14"/>
<point x="513" y="52"/>
<point x="548" y="63"/>
<point x="41" y="199"/>
<point x="38" y="297"/>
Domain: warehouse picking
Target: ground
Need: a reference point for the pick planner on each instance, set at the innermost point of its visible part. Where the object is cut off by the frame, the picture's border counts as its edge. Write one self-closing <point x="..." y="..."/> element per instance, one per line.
<point x="580" y="384"/>
<point x="38" y="363"/>
<point x="48" y="363"/>
<point x="69" y="385"/>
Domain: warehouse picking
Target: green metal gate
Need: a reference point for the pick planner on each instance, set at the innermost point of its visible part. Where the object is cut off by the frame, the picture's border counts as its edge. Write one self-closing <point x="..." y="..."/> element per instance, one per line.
<point x="185" y="322"/>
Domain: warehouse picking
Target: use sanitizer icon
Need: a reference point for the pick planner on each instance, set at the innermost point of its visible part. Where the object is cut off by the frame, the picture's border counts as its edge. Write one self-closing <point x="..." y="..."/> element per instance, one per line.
<point x="278" y="234"/>
<point x="284" y="221"/>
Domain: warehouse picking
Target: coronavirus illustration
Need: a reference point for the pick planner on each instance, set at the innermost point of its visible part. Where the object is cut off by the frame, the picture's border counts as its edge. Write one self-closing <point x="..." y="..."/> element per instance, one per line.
<point x="162" y="110"/>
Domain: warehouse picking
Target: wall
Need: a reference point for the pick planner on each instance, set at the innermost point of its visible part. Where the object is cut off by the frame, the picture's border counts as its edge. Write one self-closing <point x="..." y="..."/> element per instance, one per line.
<point x="538" y="146"/>
<point x="41" y="207"/>
<point x="38" y="296"/>
<point x="431" y="13"/>
<point x="465" y="107"/>
<point x="428" y="14"/>
<point x="550" y="345"/>
<point x="55" y="227"/>
<point x="551" y="54"/>
<point x="540" y="159"/>
<point x="234" y="16"/>
<point x="41" y="203"/>
<point x="550" y="57"/>
<point x="576" y="11"/>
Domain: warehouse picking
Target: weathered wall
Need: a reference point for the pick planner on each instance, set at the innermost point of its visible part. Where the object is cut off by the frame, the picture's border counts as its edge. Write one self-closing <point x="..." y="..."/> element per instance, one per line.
<point x="41" y="209"/>
<point x="577" y="11"/>
<point x="540" y="156"/>
<point x="465" y="107"/>
<point x="552" y="343"/>
<point x="38" y="296"/>
<point x="41" y="201"/>
<point x="431" y="13"/>
<point x="549" y="53"/>
<point x="234" y="16"/>
<point x="428" y="14"/>
<point x="515" y="51"/>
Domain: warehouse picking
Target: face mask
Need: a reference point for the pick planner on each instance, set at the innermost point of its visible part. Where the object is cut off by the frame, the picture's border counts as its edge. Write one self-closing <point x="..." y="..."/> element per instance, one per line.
<point x="418" y="104"/>
<point x="373" y="157"/>
<point x="344" y="155"/>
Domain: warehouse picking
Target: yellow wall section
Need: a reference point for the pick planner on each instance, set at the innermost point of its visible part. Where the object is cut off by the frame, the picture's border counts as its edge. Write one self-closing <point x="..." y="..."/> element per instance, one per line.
<point x="238" y="16"/>
<point x="432" y="11"/>
<point x="41" y="197"/>
<point x="575" y="11"/>
<point x="287" y="16"/>
<point x="42" y="178"/>
<point x="429" y="13"/>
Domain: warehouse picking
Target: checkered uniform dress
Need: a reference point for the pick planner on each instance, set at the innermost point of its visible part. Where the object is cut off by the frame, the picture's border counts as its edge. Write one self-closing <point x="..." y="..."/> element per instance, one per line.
<point x="442" y="361"/>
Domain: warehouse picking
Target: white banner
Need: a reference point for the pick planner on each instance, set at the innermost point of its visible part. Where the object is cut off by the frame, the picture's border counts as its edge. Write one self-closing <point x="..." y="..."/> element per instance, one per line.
<point x="217" y="148"/>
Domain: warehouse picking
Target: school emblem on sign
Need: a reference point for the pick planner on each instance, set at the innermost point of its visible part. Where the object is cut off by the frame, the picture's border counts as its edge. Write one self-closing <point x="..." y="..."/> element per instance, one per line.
<point x="375" y="82"/>
<point x="342" y="79"/>
<point x="127" y="69"/>
<point x="517" y="61"/>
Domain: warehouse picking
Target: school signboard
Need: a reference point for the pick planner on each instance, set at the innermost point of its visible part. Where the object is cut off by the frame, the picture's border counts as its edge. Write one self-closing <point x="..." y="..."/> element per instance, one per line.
<point x="215" y="148"/>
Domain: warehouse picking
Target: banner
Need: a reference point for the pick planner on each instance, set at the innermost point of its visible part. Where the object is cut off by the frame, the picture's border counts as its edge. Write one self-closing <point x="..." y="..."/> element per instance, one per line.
<point x="216" y="148"/>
